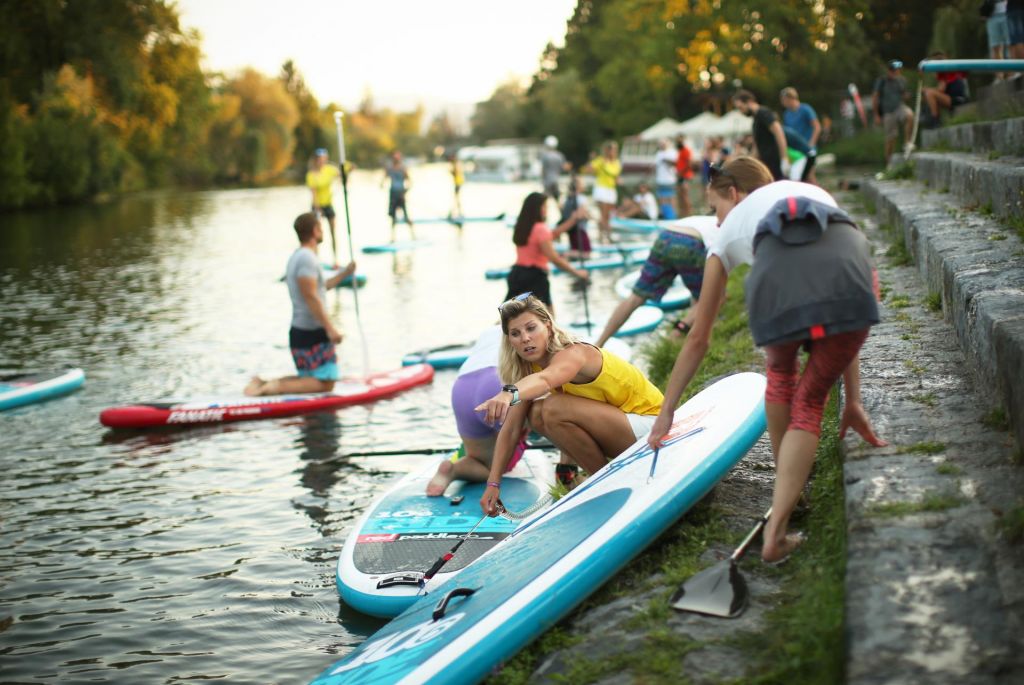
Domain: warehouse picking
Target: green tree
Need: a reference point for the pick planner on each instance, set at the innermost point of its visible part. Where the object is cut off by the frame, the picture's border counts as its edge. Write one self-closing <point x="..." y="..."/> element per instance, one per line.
<point x="501" y="116"/>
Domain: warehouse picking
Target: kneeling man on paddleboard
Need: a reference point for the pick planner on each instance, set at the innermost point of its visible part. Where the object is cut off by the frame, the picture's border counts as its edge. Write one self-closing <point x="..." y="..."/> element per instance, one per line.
<point x="590" y="403"/>
<point x="312" y="336"/>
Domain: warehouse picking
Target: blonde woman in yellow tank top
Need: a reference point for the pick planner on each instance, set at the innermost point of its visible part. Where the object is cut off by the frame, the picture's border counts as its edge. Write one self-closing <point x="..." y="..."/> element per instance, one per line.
<point x="591" y="404"/>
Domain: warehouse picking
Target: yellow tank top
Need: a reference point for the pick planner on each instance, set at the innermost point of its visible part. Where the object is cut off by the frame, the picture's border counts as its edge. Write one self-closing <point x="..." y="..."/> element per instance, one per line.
<point x="619" y="384"/>
<point x="606" y="171"/>
<point x="320" y="181"/>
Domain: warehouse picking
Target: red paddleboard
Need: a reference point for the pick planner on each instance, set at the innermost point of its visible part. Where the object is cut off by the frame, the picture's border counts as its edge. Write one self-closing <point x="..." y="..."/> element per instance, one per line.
<point x="346" y="391"/>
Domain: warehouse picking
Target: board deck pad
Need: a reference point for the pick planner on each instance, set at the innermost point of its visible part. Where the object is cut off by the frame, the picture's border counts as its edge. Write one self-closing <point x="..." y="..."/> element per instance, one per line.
<point x="222" y="410"/>
<point x="502" y="601"/>
<point x="405" y="532"/>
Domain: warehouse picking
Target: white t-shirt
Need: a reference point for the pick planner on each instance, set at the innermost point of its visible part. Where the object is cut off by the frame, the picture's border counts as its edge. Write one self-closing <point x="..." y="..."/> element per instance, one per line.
<point x="733" y="243"/>
<point x="665" y="167"/>
<point x="484" y="352"/>
<point x="705" y="224"/>
<point x="648" y="203"/>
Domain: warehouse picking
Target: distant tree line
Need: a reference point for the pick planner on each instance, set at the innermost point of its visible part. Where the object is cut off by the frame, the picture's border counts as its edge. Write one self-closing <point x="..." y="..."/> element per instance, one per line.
<point x="106" y="96"/>
<point x="628" y="63"/>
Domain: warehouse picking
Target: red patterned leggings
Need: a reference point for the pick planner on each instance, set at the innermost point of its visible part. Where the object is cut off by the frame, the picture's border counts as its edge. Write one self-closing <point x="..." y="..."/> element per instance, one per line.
<point x="807" y="393"/>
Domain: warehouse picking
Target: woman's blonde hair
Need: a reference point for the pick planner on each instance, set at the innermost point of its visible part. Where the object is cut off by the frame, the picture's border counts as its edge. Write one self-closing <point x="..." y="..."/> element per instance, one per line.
<point x="743" y="173"/>
<point x="512" y="367"/>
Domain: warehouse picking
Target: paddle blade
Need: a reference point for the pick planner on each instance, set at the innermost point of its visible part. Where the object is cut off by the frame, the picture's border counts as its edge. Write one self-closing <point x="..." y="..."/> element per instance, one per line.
<point x="716" y="591"/>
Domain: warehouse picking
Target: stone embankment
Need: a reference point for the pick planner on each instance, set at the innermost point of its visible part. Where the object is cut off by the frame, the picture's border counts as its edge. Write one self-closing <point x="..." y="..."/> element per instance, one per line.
<point x="935" y="587"/>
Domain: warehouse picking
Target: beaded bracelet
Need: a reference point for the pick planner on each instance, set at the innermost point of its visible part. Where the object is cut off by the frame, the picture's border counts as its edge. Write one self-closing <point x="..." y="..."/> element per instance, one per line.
<point x="492" y="484"/>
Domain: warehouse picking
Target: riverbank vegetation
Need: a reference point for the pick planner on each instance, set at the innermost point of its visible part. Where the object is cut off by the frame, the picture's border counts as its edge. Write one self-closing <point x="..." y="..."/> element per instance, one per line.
<point x="103" y="98"/>
<point x="628" y="63"/>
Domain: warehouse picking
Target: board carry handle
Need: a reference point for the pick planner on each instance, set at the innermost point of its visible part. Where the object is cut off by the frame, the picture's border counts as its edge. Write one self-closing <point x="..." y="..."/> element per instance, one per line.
<point x="413" y="579"/>
<point x="442" y="606"/>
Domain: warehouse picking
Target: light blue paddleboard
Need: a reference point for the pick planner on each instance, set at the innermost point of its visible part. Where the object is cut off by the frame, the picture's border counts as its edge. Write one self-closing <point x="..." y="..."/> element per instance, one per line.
<point x="644" y="319"/>
<point x="676" y="297"/>
<point x="397" y="246"/>
<point x="644" y="226"/>
<point x="615" y="261"/>
<point x="17" y="389"/>
<point x="465" y="627"/>
<point x="454" y="356"/>
<point x="404" y="532"/>
<point x="614" y="248"/>
<point x="458" y="220"/>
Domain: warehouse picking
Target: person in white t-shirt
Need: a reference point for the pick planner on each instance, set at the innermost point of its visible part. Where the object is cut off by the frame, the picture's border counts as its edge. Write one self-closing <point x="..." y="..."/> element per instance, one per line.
<point x="665" y="177"/>
<point x="679" y="251"/>
<point x="643" y="205"/>
<point x="830" y="272"/>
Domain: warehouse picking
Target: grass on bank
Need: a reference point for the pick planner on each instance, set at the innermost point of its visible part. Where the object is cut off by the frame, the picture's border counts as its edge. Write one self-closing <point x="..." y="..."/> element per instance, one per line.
<point x="806" y="625"/>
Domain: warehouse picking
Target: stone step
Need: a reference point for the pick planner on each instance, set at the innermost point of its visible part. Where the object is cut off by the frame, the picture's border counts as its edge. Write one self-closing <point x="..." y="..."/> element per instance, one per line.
<point x="994" y="186"/>
<point x="934" y="594"/>
<point x="977" y="266"/>
<point x="1005" y="136"/>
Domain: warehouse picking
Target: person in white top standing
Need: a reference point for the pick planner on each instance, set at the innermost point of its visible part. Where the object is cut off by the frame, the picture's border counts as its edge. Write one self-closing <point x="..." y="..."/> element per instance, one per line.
<point x="665" y="178"/>
<point x="821" y="296"/>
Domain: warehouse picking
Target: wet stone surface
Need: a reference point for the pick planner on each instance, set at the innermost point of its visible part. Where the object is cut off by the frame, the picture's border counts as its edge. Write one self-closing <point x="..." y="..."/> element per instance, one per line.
<point x="933" y="594"/>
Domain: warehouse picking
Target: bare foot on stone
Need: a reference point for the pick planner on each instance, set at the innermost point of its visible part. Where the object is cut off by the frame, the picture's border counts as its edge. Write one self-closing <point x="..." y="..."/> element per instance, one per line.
<point x="779" y="552"/>
<point x="441" y="480"/>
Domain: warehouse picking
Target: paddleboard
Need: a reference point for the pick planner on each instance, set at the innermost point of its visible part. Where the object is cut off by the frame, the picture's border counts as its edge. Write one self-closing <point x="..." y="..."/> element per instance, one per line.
<point x="614" y="248"/>
<point x="453" y="356"/>
<point x="609" y="262"/>
<point x="644" y="319"/>
<point x="676" y="297"/>
<point x="397" y="246"/>
<point x="404" y="532"/>
<point x="17" y="389"/>
<point x="625" y="225"/>
<point x="346" y="391"/>
<point x="463" y="628"/>
<point x="458" y="220"/>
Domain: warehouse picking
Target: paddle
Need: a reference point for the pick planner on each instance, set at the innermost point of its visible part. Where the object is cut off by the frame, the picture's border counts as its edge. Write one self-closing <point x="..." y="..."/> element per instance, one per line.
<point x="447" y="556"/>
<point x="348" y="227"/>
<point x="719" y="590"/>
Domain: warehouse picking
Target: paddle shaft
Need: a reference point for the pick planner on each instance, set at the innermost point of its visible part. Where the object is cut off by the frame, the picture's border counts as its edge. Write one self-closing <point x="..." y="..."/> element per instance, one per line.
<point x="445" y="558"/>
<point x="429" y="450"/>
<point x="351" y="250"/>
<point x="741" y="550"/>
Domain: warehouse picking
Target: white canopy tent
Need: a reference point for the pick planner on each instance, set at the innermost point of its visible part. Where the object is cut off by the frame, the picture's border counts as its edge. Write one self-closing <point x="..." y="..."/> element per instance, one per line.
<point x="666" y="128"/>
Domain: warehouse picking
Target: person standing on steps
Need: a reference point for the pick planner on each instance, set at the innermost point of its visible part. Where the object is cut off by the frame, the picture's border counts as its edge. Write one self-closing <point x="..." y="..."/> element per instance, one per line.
<point x="398" y="175"/>
<point x="684" y="173"/>
<point x="888" y="101"/>
<point x="769" y="138"/>
<point x="312" y="336"/>
<point x="801" y="117"/>
<point x="665" y="179"/>
<point x="811" y="284"/>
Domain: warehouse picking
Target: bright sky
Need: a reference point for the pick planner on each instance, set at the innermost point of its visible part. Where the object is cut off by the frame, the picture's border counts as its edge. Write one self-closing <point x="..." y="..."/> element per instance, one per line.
<point x="405" y="51"/>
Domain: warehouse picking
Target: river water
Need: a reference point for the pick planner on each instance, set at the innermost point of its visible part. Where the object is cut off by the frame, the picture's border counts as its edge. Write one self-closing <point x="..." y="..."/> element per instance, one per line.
<point x="208" y="553"/>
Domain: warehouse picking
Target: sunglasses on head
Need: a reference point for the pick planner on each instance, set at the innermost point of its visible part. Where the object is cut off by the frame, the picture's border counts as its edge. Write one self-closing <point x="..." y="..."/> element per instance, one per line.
<point x="518" y="298"/>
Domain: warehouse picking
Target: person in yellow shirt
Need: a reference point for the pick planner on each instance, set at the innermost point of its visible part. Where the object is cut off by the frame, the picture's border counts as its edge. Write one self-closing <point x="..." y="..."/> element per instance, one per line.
<point x="458" y="178"/>
<point x="319" y="179"/>
<point x="606" y="169"/>
<point x="590" y="403"/>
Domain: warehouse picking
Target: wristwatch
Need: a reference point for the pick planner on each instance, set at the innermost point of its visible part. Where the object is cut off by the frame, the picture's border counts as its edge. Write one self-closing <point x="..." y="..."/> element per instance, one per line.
<point x="515" y="394"/>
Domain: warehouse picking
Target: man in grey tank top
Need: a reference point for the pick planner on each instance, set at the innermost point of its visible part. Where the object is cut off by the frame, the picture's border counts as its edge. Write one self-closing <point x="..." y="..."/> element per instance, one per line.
<point x="312" y="336"/>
